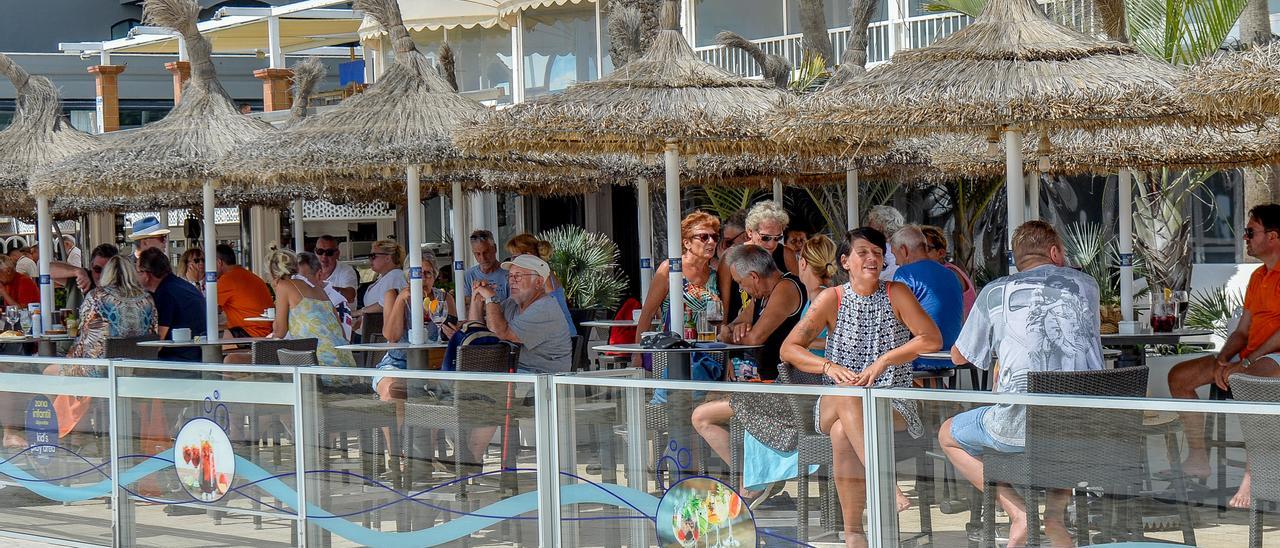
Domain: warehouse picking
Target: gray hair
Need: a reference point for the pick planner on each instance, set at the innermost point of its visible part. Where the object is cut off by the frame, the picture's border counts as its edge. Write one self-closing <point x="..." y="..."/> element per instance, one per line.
<point x="67" y="238"/>
<point x="748" y="258"/>
<point x="310" y="259"/>
<point x="429" y="259"/>
<point x="886" y="219"/>
<point x="767" y="210"/>
<point x="911" y="237"/>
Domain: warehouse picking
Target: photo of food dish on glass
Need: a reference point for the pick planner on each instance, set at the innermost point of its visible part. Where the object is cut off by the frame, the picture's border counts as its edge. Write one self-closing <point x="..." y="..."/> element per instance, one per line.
<point x="703" y="512"/>
<point x="203" y="458"/>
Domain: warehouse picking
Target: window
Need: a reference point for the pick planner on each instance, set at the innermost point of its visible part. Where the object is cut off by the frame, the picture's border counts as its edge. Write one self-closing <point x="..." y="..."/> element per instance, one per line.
<point x="483" y="59"/>
<point x="837" y="12"/>
<point x="559" y="49"/>
<point x="121" y="29"/>
<point x="753" y="19"/>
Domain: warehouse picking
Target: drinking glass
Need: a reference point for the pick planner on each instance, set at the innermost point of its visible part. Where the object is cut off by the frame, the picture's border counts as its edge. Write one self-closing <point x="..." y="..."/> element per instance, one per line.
<point x="438" y="313"/>
<point x="1181" y="301"/>
<point x="12" y="315"/>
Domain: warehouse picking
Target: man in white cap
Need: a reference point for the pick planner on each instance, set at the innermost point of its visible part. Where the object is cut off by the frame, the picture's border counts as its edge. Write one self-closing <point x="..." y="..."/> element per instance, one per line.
<point x="148" y="233"/>
<point x="529" y="317"/>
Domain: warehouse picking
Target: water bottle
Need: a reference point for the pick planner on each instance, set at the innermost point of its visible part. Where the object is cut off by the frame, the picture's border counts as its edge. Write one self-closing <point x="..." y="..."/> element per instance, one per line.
<point x="37" y="325"/>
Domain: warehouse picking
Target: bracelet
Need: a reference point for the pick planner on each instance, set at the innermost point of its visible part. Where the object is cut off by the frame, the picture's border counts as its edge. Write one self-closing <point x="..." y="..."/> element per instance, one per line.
<point x="826" y="364"/>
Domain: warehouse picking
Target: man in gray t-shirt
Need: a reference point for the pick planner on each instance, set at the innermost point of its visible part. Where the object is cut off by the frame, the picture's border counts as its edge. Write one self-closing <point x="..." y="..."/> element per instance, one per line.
<point x="1042" y="318"/>
<point x="530" y="317"/>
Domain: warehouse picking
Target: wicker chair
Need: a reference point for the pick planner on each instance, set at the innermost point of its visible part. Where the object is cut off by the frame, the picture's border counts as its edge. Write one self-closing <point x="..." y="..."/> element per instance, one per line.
<point x="268" y="352"/>
<point x="1262" y="441"/>
<point x="1068" y="450"/>
<point x="371" y="332"/>
<point x="127" y="348"/>
<point x="450" y="415"/>
<point x="579" y="361"/>
<point x="299" y="358"/>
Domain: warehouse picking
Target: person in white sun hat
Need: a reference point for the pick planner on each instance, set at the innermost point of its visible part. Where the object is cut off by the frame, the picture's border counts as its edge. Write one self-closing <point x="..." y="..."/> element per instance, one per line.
<point x="529" y="317"/>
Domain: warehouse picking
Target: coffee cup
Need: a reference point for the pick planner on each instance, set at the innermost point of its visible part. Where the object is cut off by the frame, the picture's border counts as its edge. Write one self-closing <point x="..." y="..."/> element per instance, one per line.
<point x="182" y="334"/>
<point x="269" y="313"/>
<point x="635" y="315"/>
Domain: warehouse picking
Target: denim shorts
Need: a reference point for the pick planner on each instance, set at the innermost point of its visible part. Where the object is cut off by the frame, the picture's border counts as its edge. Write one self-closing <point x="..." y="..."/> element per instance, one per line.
<point x="968" y="431"/>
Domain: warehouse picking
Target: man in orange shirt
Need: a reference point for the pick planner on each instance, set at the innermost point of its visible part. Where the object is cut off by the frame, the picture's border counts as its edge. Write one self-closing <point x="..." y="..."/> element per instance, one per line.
<point x="241" y="295"/>
<point x="1257" y="336"/>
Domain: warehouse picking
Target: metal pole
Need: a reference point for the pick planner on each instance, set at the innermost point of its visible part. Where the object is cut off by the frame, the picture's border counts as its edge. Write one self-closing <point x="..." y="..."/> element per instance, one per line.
<point x="882" y="517"/>
<point x="1033" y="195"/>
<point x="459" y="252"/>
<point x="548" y="461"/>
<point x="676" y="288"/>
<point x="299" y="238"/>
<point x="645" y="214"/>
<point x="274" y="53"/>
<point x="1126" y="244"/>
<point x="210" y="266"/>
<point x="417" y="335"/>
<point x="1014" y="186"/>
<point x="44" y="231"/>
<point x="851" y="198"/>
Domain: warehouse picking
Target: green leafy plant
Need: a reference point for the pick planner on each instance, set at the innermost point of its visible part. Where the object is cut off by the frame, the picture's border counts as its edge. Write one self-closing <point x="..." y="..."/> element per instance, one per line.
<point x="724" y="201"/>
<point x="1088" y="249"/>
<point x="587" y="265"/>
<point x="1211" y="308"/>
<point x="810" y="76"/>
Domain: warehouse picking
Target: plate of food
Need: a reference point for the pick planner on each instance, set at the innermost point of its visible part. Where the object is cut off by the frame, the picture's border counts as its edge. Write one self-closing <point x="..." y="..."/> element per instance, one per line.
<point x="12" y="335"/>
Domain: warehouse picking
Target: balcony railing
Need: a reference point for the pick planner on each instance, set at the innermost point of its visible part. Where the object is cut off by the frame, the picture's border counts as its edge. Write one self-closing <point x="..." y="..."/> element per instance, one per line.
<point x="917" y="32"/>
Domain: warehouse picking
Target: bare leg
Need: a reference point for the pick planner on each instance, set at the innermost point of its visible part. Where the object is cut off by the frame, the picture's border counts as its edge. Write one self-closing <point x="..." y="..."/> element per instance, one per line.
<point x="709" y="419"/>
<point x="849" y="411"/>
<point x="1184" y="379"/>
<point x="970" y="467"/>
<point x="11" y="413"/>
<point x="1055" y="529"/>
<point x="479" y="440"/>
<point x="1244" y="496"/>
<point x="851" y="486"/>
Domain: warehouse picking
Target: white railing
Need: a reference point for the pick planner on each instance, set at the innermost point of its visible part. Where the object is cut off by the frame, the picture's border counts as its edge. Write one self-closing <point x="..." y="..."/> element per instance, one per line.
<point x="921" y="31"/>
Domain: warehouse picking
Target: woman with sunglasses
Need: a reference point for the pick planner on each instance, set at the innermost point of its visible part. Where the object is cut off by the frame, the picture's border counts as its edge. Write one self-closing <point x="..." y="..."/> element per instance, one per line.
<point x="191" y="267"/>
<point x="766" y="226"/>
<point x="385" y="260"/>
<point x="699" y="232"/>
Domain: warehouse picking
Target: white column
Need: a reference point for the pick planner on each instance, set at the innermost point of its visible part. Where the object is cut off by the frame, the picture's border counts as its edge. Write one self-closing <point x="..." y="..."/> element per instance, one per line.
<point x="1126" y="244"/>
<point x="896" y="26"/>
<point x="1014" y="185"/>
<point x="777" y="190"/>
<point x="644" y="215"/>
<point x="417" y="335"/>
<point x="517" y="59"/>
<point x="601" y="29"/>
<point x="182" y="49"/>
<point x="369" y="55"/>
<point x="299" y="238"/>
<point x="850" y="199"/>
<point x="210" y="266"/>
<point x="459" y="251"/>
<point x="274" y="54"/>
<point x="97" y="102"/>
<point x="44" y="233"/>
<point x="676" y="289"/>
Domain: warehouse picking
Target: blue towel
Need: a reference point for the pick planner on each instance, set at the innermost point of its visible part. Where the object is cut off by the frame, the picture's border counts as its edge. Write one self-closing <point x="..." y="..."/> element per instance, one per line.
<point x="763" y="465"/>
<point x="702" y="367"/>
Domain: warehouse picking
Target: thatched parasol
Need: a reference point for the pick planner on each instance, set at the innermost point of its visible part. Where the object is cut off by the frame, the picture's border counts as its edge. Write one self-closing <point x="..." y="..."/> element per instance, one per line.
<point x="38" y="135"/>
<point x="1244" y="81"/>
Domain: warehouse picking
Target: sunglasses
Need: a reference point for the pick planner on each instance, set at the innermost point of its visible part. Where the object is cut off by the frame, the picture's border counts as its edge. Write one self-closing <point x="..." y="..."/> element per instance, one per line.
<point x="327" y="252"/>
<point x="379" y="254"/>
<point x="97" y="270"/>
<point x="518" y="277"/>
<point x="706" y="237"/>
<point x="766" y="238"/>
<point x="1249" y="232"/>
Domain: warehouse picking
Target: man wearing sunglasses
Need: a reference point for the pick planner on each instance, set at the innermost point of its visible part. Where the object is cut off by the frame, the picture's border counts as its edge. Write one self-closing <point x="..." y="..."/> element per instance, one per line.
<point x="766" y="224"/>
<point x="1256" y="337"/>
<point x="341" y="277"/>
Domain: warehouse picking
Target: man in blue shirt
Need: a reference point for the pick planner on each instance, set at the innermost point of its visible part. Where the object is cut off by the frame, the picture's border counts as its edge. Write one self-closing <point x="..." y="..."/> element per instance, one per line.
<point x="178" y="303"/>
<point x="487" y="267"/>
<point x="936" y="288"/>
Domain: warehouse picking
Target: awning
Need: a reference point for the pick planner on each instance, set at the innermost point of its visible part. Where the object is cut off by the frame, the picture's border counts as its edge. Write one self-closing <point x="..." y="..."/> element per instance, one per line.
<point x="245" y="34"/>
<point x="449" y="14"/>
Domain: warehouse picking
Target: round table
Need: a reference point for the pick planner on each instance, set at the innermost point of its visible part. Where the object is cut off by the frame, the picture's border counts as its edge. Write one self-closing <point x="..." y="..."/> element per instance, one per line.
<point x="210" y="351"/>
<point x="1132" y="354"/>
<point x="415" y="354"/>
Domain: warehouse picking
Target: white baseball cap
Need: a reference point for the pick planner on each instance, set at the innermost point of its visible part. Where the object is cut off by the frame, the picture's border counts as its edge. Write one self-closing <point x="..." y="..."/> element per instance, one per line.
<point x="538" y="266"/>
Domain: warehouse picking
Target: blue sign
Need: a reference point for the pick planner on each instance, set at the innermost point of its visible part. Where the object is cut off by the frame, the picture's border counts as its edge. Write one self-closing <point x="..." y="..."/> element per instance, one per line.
<point x="457" y="265"/>
<point x="351" y="72"/>
<point x="675" y="264"/>
<point x="42" y="429"/>
<point x="45" y="280"/>
<point x="646" y="263"/>
<point x="1126" y="259"/>
<point x="211" y="277"/>
<point x="415" y="273"/>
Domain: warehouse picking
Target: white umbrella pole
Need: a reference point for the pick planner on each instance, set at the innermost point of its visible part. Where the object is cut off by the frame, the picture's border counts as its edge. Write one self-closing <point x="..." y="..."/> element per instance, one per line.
<point x="210" y="266"/>
<point x="1014" y="186"/>
<point x="459" y="262"/>
<point x="777" y="190"/>
<point x="676" y="288"/>
<point x="645" y="232"/>
<point x="417" y="335"/>
<point x="44" y="231"/>
<point x="1126" y="244"/>
<point x="299" y="239"/>
<point x="850" y="200"/>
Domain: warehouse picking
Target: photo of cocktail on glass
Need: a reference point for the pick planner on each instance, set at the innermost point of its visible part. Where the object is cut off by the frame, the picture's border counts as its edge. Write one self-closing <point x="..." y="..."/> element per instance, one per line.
<point x="704" y="512"/>
<point x="204" y="460"/>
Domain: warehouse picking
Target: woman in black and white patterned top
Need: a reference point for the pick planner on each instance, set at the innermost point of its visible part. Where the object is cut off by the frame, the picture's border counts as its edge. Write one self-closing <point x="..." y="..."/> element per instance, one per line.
<point x="875" y="330"/>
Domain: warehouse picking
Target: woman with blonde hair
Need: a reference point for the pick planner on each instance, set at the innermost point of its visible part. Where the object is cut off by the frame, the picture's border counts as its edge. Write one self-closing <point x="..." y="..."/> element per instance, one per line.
<point x="117" y="307"/>
<point x="385" y="259"/>
<point x="305" y="312"/>
<point x="528" y="244"/>
<point x="191" y="267"/>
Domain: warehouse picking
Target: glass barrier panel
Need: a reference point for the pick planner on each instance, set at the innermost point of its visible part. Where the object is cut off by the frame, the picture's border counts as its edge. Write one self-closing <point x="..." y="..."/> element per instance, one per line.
<point x="682" y="466"/>
<point x="1095" y="473"/>
<point x="206" y="454"/>
<point x="419" y="458"/>
<point x="55" y="463"/>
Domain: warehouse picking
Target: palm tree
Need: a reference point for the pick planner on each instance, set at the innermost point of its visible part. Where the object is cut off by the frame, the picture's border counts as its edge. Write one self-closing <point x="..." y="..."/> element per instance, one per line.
<point x="632" y="25"/>
<point x="813" y="24"/>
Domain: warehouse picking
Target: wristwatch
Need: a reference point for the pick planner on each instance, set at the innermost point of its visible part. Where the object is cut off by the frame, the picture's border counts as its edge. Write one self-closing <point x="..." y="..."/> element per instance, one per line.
<point x="1245" y="363"/>
<point x="493" y="300"/>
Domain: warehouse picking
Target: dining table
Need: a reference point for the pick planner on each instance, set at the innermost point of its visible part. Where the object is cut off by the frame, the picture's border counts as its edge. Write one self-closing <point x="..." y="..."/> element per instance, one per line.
<point x="415" y="354"/>
<point x="210" y="351"/>
<point x="1132" y="345"/>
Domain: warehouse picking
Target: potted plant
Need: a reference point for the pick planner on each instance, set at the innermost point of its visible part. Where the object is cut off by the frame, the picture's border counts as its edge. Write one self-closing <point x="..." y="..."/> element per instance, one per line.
<point x="587" y="265"/>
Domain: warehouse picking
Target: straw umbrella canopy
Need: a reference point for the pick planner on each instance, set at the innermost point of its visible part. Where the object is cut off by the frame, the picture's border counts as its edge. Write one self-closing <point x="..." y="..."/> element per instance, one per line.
<point x="666" y="100"/>
<point x="1011" y="70"/>
<point x="178" y="154"/>
<point x="1245" y="81"/>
